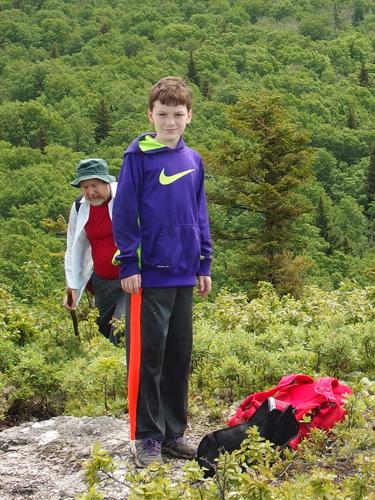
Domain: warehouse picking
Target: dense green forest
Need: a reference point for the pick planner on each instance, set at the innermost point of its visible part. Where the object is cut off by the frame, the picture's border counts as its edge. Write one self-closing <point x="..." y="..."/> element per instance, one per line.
<point x="283" y="115"/>
<point x="74" y="81"/>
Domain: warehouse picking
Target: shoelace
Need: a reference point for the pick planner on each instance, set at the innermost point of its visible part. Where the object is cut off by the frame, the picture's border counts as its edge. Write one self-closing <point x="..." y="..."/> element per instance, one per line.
<point x="179" y="440"/>
<point x="152" y="446"/>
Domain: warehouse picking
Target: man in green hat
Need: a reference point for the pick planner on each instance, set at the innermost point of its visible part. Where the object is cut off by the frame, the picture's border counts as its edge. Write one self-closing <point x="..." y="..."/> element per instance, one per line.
<point x="91" y="247"/>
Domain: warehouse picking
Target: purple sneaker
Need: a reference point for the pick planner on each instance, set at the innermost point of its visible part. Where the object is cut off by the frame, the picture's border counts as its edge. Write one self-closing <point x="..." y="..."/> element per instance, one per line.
<point x="146" y="451"/>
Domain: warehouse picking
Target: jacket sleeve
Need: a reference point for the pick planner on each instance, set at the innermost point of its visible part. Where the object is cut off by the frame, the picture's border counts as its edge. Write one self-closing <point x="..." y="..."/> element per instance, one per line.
<point x="206" y="247"/>
<point x="125" y="222"/>
<point x="72" y="224"/>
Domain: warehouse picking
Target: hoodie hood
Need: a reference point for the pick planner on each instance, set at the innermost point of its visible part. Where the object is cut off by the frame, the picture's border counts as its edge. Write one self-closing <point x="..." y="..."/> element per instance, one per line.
<point x="147" y="144"/>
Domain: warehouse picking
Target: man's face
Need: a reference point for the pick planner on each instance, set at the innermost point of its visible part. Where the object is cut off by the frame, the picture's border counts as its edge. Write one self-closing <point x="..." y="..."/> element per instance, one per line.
<point x="95" y="191"/>
<point x="169" y="122"/>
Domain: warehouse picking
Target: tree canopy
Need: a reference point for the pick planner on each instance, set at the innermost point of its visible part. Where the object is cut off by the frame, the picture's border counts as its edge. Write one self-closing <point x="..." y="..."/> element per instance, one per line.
<point x="74" y="83"/>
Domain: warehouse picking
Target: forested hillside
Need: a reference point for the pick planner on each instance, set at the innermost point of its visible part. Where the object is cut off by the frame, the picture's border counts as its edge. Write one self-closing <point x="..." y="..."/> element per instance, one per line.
<point x="283" y="115"/>
<point x="74" y="80"/>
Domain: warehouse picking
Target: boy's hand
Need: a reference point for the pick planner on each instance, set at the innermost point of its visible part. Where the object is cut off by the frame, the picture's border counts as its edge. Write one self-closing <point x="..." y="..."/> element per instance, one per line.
<point x="204" y="285"/>
<point x="131" y="284"/>
<point x="70" y="299"/>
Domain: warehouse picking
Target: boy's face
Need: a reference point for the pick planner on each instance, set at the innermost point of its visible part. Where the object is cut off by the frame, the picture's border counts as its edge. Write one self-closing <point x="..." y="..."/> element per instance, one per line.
<point x="169" y="122"/>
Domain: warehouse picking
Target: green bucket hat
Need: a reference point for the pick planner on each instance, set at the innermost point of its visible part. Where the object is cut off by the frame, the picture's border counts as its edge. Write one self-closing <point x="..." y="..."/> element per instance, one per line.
<point x="92" y="168"/>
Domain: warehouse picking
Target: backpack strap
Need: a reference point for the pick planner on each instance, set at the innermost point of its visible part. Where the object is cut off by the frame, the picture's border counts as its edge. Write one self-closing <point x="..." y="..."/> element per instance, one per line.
<point x="77" y="202"/>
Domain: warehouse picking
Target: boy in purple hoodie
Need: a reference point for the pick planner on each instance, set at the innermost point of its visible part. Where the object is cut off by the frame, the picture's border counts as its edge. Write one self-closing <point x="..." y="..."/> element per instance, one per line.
<point x="161" y="229"/>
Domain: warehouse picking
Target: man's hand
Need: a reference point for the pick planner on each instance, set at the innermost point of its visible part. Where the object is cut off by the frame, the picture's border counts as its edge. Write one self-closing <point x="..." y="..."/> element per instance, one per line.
<point x="131" y="284"/>
<point x="70" y="299"/>
<point x="204" y="285"/>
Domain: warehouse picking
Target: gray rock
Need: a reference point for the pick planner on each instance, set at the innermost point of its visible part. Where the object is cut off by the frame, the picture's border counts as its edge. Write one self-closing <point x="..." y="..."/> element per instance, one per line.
<point x="43" y="460"/>
<point x="365" y="381"/>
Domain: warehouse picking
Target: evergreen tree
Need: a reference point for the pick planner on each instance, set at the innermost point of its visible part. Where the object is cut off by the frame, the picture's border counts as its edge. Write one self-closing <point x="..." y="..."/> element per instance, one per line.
<point x="192" y="72"/>
<point x="103" y="121"/>
<point x="370" y="183"/>
<point x="105" y="28"/>
<point x="261" y="173"/>
<point x="54" y="52"/>
<point x="42" y="139"/>
<point x="358" y="14"/>
<point x="322" y="219"/>
<point x="351" y="120"/>
<point x="336" y="18"/>
<point x="205" y="87"/>
<point x="371" y="223"/>
<point x="363" y="76"/>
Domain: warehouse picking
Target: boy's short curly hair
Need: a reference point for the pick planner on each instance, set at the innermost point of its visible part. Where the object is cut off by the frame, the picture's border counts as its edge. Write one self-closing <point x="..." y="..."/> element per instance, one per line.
<point x="171" y="91"/>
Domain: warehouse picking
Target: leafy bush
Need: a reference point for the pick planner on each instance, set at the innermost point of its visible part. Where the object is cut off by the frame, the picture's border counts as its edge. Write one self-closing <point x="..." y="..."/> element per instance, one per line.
<point x="45" y="370"/>
<point x="242" y="346"/>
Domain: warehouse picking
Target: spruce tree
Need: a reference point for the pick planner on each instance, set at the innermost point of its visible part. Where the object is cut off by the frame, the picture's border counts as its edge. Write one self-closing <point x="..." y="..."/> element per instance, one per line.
<point x="54" y="52"/>
<point x="322" y="220"/>
<point x="205" y="86"/>
<point x="42" y="138"/>
<point x="336" y="18"/>
<point x="192" y="72"/>
<point x="103" y="121"/>
<point x="351" y="120"/>
<point x="358" y="14"/>
<point x="363" y="76"/>
<point x="259" y="177"/>
<point x="370" y="181"/>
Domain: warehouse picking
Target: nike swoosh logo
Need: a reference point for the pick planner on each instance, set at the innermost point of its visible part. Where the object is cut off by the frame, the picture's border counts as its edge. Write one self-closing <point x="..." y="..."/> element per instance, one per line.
<point x="168" y="179"/>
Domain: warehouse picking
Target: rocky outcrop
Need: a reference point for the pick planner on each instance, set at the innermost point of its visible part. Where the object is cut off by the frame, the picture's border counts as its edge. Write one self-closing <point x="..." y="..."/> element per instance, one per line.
<point x="43" y="460"/>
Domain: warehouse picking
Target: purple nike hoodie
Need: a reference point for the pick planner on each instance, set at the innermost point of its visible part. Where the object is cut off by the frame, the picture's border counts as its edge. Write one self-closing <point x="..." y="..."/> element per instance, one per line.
<point x="160" y="221"/>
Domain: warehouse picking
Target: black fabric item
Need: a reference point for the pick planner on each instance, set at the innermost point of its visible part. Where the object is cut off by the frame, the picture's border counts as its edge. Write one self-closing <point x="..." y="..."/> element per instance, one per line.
<point x="110" y="301"/>
<point x="279" y="427"/>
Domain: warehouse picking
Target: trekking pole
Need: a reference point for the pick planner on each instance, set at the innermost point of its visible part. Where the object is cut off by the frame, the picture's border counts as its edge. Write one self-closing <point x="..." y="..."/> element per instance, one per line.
<point x="73" y="314"/>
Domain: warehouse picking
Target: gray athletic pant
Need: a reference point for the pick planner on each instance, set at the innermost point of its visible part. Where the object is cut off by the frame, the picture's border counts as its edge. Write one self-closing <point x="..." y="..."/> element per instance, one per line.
<point x="110" y="301"/>
<point x="159" y="347"/>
